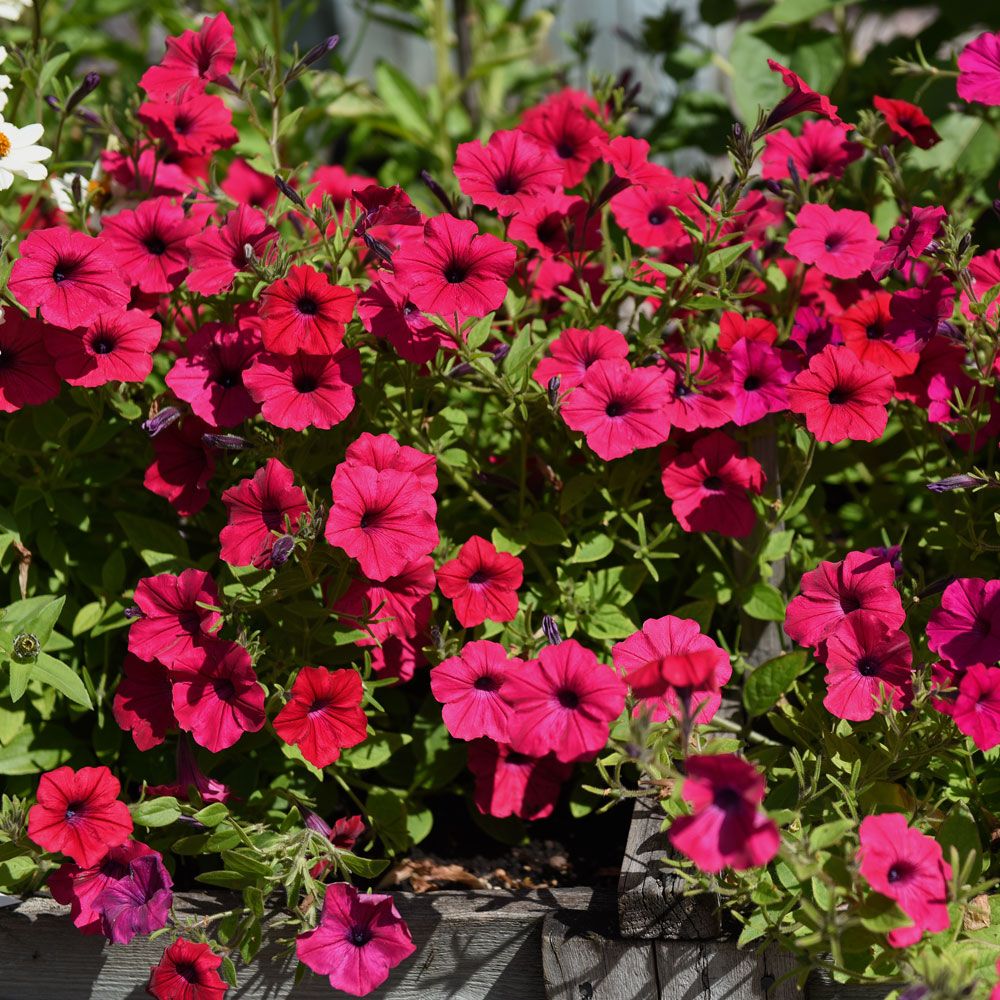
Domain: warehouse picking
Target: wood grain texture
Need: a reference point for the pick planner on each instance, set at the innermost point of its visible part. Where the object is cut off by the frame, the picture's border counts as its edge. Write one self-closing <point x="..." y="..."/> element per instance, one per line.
<point x="718" y="970"/>
<point x="651" y="903"/>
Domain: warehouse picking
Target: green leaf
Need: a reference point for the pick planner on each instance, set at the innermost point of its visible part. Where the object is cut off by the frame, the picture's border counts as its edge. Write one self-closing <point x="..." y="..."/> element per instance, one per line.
<point x="224" y="879"/>
<point x="593" y="547"/>
<point x="778" y="545"/>
<point x="37" y="615"/>
<point x="161" y="811"/>
<point x="56" y="674"/>
<point x="20" y="674"/>
<point x="365" y="867"/>
<point x="375" y="750"/>
<point x="155" y="542"/>
<point x="719" y="260"/>
<point x="245" y="863"/>
<point x="543" y="529"/>
<point x="87" y="617"/>
<point x="213" y="814"/>
<point x="881" y="915"/>
<point x="764" y="686"/>
<point x="799" y="504"/>
<point x="610" y="622"/>
<point x="829" y="833"/>
<point x="388" y="811"/>
<point x="403" y="100"/>
<point x="789" y="12"/>
<point x="522" y="352"/>
<point x="764" y="602"/>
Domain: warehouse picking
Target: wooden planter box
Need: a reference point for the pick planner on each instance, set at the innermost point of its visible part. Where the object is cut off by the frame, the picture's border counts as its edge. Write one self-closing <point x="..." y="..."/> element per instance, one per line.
<point x="643" y="942"/>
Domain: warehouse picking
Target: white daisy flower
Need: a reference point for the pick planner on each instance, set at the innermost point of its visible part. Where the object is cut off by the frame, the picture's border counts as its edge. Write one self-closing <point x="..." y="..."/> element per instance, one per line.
<point x="19" y="156"/>
<point x="5" y="82"/>
<point x="11" y="10"/>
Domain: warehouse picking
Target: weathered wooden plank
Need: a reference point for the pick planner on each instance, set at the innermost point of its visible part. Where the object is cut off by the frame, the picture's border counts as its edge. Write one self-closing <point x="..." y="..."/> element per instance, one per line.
<point x="718" y="970"/>
<point x="821" y="986"/>
<point x="651" y="903"/>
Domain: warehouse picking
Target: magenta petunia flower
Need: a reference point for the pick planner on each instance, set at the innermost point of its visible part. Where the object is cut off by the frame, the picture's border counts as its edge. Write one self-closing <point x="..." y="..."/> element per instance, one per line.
<point x="455" y="271"/>
<point x="173" y="623"/>
<point x="210" y="377"/>
<point x="142" y="703"/>
<point x="193" y="59"/>
<point x="907" y="121"/>
<point x="399" y="658"/>
<point x="471" y="686"/>
<point x="840" y="243"/>
<point x="965" y="628"/>
<point x="383" y="451"/>
<point x="697" y="390"/>
<point x="563" y="703"/>
<point x="323" y="714"/>
<point x="618" y="408"/>
<point x="358" y="940"/>
<point x="183" y="466"/>
<point x="187" y="971"/>
<point x="304" y="390"/>
<point x="482" y="583"/>
<point x="137" y="904"/>
<point x="191" y="778"/>
<point x="727" y="828"/>
<point x="940" y="372"/>
<point x="259" y="509"/>
<point x="399" y="605"/>
<point x="909" y="867"/>
<point x="835" y="589"/>
<point x="27" y="370"/>
<point x="866" y="329"/>
<point x="822" y="152"/>
<point x="116" y="347"/>
<point x="979" y="70"/>
<point x="190" y="125"/>
<point x="646" y="211"/>
<point x="508" y="172"/>
<point x="304" y="312"/>
<point x="759" y="375"/>
<point x="672" y="636"/>
<point x="909" y="238"/>
<point x="917" y="313"/>
<point x="387" y="312"/>
<point x="801" y="99"/>
<point x="710" y="486"/>
<point x="976" y="709"/>
<point x="866" y="664"/>
<point x="382" y="519"/>
<point x="734" y="327"/>
<point x="629" y="158"/>
<point x="557" y="225"/>
<point x="216" y="695"/>
<point x="249" y="186"/>
<point x="842" y="397"/>
<point x="573" y="352"/>
<point x="219" y="254"/>
<point x="70" y="276"/>
<point x="564" y="126"/>
<point x="149" y="244"/>
<point x="508" y="783"/>
<point x="79" y="814"/>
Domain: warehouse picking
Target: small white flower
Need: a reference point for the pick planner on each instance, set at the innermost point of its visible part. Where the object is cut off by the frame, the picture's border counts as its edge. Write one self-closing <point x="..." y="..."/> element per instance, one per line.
<point x="19" y="155"/>
<point x="11" y="10"/>
<point x="5" y="83"/>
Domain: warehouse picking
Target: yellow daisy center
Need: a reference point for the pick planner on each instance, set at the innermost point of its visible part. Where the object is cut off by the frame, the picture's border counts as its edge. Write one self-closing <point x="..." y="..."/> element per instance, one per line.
<point x="4" y="145"/>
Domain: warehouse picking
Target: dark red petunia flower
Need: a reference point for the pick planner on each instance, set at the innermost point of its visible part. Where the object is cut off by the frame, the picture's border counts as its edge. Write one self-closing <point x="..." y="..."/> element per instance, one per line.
<point x="710" y="486"/>
<point x="219" y="254"/>
<point x="210" y="377"/>
<point x="572" y="353"/>
<point x="841" y="243"/>
<point x="182" y="467"/>
<point x="842" y="397"/>
<point x="249" y="186"/>
<point x="619" y="408"/>
<point x="142" y="703"/>
<point x="801" y="99"/>
<point x="191" y="778"/>
<point x="734" y="327"/>
<point x="508" y="172"/>
<point x="191" y="125"/>
<point x="323" y="714"/>
<point x="187" y="970"/>
<point x="259" y="508"/>
<point x="399" y="658"/>
<point x="216" y="695"/>
<point x="70" y="276"/>
<point x="304" y="390"/>
<point x="556" y="225"/>
<point x="27" y="370"/>
<point x="822" y="152"/>
<point x="398" y="606"/>
<point x="482" y="583"/>
<point x="149" y="244"/>
<point x="759" y="375"/>
<point x="116" y="347"/>
<point x="510" y="784"/>
<point x="697" y="390"/>
<point x="304" y="312"/>
<point x="173" y="624"/>
<point x="563" y="128"/>
<point x="386" y="312"/>
<point x="917" y="313"/>
<point x="79" y="814"/>
<point x="865" y="328"/>
<point x="455" y="271"/>
<point x="908" y="239"/>
<point x="907" y="121"/>
<point x="193" y="59"/>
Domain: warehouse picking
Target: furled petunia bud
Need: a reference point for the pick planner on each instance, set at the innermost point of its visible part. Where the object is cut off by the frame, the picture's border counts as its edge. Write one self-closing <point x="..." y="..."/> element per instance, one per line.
<point x="438" y="192"/>
<point x="87" y="86"/>
<point x="551" y="630"/>
<point x="227" y="442"/>
<point x="377" y="247"/>
<point x="161" y="420"/>
<point x="288" y="191"/>
<point x="282" y="549"/>
<point x="962" y="482"/>
<point x="316" y="53"/>
<point x="132" y="612"/>
<point x="552" y="390"/>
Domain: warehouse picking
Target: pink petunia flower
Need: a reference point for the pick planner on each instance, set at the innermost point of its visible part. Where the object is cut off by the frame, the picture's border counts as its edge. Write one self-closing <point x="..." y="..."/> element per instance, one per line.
<point x="358" y="940"/>
<point x="697" y="390"/>
<point x="116" y="347"/>
<point x="940" y="372"/>
<point x="193" y="59"/>
<point x="455" y="271"/>
<point x="400" y="605"/>
<point x="842" y="397"/>
<point x="383" y="451"/>
<point x="573" y="352"/>
<point x="976" y="709"/>
<point x="470" y="686"/>
<point x="508" y="172"/>
<point x="907" y="121"/>
<point x="866" y="663"/>
<point x="323" y="714"/>
<point x="801" y="99"/>
<point x="557" y="225"/>
<point x="173" y="624"/>
<point x="219" y="254"/>
<point x="727" y="828"/>
<point x="734" y="327"/>
<point x="183" y="466"/>
<point x="710" y="486"/>
<point x="28" y="372"/>
<point x="387" y="312"/>
<point x="187" y="971"/>
<point x="191" y="124"/>
<point x="482" y="583"/>
<point x="759" y="375"/>
<point x="618" y="408"/>
<point x="142" y="703"/>
<point x="137" y="904"/>
<point x="304" y="390"/>
<point x="216" y="695"/>
<point x="979" y="70"/>
<point x="191" y="779"/>
<point x="249" y="186"/>
<point x="646" y="212"/>
<point x="563" y="128"/>
<point x="821" y="153"/>
<point x="399" y="658"/>
<point x="70" y="276"/>
<point x="304" y="312"/>
<point x="909" y="238"/>
<point x="508" y="783"/>
<point x="259" y="508"/>
<point x="909" y="867"/>
<point x="840" y="243"/>
<point x="563" y="703"/>
<point x="829" y="593"/>
<point x="866" y="331"/>
<point x="965" y="628"/>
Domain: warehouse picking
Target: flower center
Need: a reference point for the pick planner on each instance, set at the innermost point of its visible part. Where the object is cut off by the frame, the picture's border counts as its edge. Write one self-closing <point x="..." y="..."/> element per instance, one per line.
<point x="565" y="149"/>
<point x="656" y="217"/>
<point x="486" y="683"/>
<point x="7" y="357"/>
<point x="849" y="603"/>
<point x="155" y="245"/>
<point x="874" y="331"/>
<point x="899" y="871"/>
<point x="478" y="577"/>
<point x="982" y="626"/>
<point x="318" y="705"/>
<point x="713" y="483"/>
<point x="614" y="408"/>
<point x="188" y="971"/>
<point x="182" y="124"/>
<point x="102" y="345"/>
<point x="73" y="811"/>
<point x="189" y="621"/>
<point x="307" y="305"/>
<point x="359" y="936"/>
<point x="4" y="145"/>
<point x="455" y="273"/>
<point x="751" y="382"/>
<point x="568" y="698"/>
<point x="112" y="868"/>
<point x="507" y="184"/>
<point x="868" y="666"/>
<point x="832" y="242"/>
<point x="837" y="396"/>
<point x="305" y="383"/>
<point x="727" y="799"/>
<point x="63" y="270"/>
<point x="228" y="380"/>
<point x="224" y="688"/>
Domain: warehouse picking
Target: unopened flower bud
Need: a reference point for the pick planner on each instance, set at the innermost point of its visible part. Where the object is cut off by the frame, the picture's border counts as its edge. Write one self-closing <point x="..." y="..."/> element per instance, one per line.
<point x="551" y="630"/>
<point x="227" y="442"/>
<point x="614" y="186"/>
<point x="436" y="638"/>
<point x="438" y="192"/>
<point x="26" y="648"/>
<point x="161" y="420"/>
<point x="552" y="390"/>
<point x="962" y="482"/>
<point x="773" y="186"/>
<point x="248" y="254"/>
<point x="937" y="587"/>
<point x="793" y="172"/>
<point x="132" y="612"/>
<point x="52" y="102"/>
<point x="87" y="86"/>
<point x="996" y="206"/>
<point x="288" y="191"/>
<point x="77" y="189"/>
<point x="377" y="247"/>
<point x="316" y="53"/>
<point x="965" y="243"/>
<point x="886" y="153"/>
<point x="500" y="353"/>
<point x="91" y="117"/>
<point x="282" y="549"/>
<point x="316" y="823"/>
<point x="948" y="329"/>
<point x="737" y="130"/>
